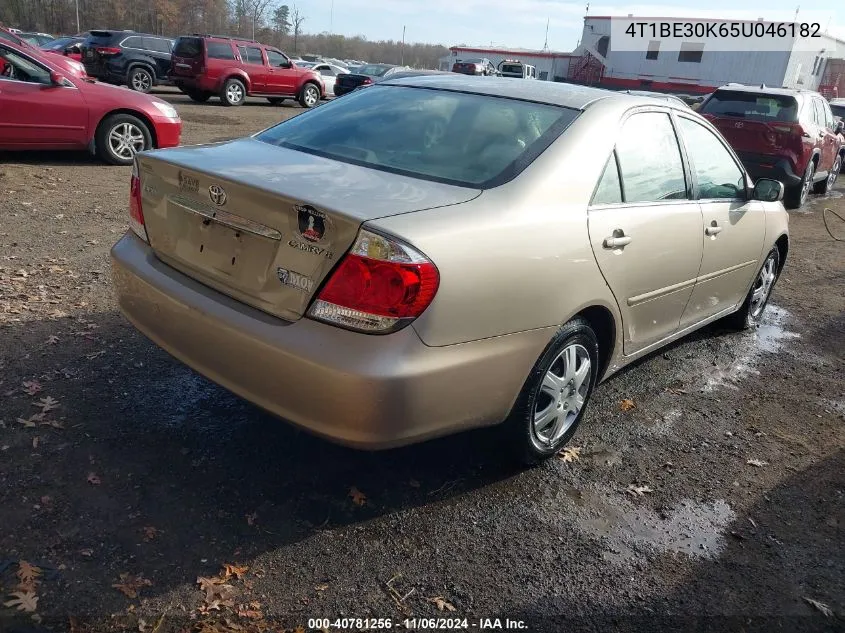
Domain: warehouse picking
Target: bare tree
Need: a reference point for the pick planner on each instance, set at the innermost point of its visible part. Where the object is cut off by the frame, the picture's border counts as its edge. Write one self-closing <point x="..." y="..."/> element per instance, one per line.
<point x="256" y="10"/>
<point x="297" y="18"/>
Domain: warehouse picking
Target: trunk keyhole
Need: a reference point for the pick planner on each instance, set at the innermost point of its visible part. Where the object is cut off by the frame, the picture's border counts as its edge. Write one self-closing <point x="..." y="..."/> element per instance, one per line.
<point x="233" y="261"/>
<point x="201" y="247"/>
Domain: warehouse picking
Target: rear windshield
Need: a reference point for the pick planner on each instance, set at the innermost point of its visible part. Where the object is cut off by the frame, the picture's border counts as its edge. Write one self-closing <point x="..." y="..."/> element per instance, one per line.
<point x="457" y="138"/>
<point x="373" y="70"/>
<point x="100" y="37"/>
<point x="749" y="105"/>
<point x="838" y="110"/>
<point x="188" y="47"/>
<point x="515" y="69"/>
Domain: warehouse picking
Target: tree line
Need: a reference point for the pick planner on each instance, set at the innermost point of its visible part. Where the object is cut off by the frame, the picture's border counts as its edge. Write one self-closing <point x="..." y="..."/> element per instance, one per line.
<point x="281" y="25"/>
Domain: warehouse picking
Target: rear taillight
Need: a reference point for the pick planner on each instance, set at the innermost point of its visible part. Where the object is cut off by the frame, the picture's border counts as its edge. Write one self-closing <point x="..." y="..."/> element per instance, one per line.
<point x="367" y="81"/>
<point x="136" y="211"/>
<point x="107" y="50"/>
<point x="380" y="286"/>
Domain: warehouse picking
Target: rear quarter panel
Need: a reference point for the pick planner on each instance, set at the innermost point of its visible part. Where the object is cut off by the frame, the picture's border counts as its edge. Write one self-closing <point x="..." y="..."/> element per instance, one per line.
<point x="518" y="257"/>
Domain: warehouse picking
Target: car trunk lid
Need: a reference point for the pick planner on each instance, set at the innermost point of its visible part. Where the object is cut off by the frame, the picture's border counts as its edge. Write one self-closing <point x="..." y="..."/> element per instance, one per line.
<point x="264" y="224"/>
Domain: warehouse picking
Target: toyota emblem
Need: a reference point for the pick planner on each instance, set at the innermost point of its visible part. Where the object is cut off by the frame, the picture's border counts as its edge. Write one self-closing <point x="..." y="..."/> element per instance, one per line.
<point x="217" y="195"/>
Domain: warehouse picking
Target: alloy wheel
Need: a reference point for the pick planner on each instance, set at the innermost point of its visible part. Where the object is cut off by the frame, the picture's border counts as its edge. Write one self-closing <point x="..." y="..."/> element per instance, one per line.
<point x="562" y="394"/>
<point x="834" y="173"/>
<point x="311" y="96"/>
<point x="141" y="81"/>
<point x="763" y="286"/>
<point x="125" y="140"/>
<point x="808" y="182"/>
<point x="234" y="93"/>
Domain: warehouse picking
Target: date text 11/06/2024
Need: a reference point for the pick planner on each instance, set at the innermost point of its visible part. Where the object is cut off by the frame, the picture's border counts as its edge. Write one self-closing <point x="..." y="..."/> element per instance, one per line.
<point x="416" y="624"/>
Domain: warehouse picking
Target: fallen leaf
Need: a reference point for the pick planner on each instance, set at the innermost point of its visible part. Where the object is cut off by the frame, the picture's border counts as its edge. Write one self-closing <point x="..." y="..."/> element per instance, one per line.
<point x="821" y="606"/>
<point x="358" y="497"/>
<point x="27" y="573"/>
<point x="214" y="588"/>
<point x="247" y="611"/>
<point x="638" y="491"/>
<point x="87" y="552"/>
<point x="572" y="454"/>
<point x="47" y="404"/>
<point x="322" y="587"/>
<point x="149" y="533"/>
<point x="238" y="571"/>
<point x="627" y="404"/>
<point x="32" y="387"/>
<point x="129" y="585"/>
<point x="31" y="421"/>
<point x="756" y="462"/>
<point x="299" y="629"/>
<point x="23" y="601"/>
<point x="52" y="339"/>
<point x="93" y="479"/>
<point x="414" y="483"/>
<point x="442" y="604"/>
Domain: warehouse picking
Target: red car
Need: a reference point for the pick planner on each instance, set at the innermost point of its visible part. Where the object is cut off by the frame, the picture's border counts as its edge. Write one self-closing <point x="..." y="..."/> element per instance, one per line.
<point x="42" y="108"/>
<point x="779" y="133"/>
<point x="206" y="65"/>
<point x="68" y="66"/>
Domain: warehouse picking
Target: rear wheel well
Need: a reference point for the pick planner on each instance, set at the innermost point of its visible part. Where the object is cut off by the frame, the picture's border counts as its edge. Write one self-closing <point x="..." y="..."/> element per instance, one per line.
<point x="241" y="78"/>
<point x="138" y="115"/>
<point x="602" y="322"/>
<point x="143" y="65"/>
<point x="782" y="244"/>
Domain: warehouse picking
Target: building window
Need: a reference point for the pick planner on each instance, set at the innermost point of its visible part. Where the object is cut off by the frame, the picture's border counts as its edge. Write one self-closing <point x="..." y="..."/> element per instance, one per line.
<point x="691" y="52"/>
<point x="544" y="75"/>
<point x="603" y="45"/>
<point x="653" y="49"/>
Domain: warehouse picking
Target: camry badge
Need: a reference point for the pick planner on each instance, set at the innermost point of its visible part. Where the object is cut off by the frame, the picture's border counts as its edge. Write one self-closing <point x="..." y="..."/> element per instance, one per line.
<point x="217" y="195"/>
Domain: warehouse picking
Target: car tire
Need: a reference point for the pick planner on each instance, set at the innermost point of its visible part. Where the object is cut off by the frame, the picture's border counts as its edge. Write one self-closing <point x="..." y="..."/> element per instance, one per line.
<point x="141" y="79"/>
<point x="751" y="311"/>
<point x="276" y="101"/>
<point x="233" y="92"/>
<point x="827" y="184"/>
<point x="309" y="96"/>
<point x="120" y="136"/>
<point x="197" y="96"/>
<point x="796" y="196"/>
<point x="544" y="418"/>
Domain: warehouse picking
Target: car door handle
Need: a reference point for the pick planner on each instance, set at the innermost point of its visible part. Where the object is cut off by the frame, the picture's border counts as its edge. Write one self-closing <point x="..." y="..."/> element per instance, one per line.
<point x="713" y="229"/>
<point x="618" y="240"/>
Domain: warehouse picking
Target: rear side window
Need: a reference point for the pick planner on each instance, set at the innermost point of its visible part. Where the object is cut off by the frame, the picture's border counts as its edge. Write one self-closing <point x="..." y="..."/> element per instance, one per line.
<point x="650" y="159"/>
<point x="219" y="50"/>
<point x="481" y="141"/>
<point x="609" y="190"/>
<point x="100" y="38"/>
<point x="133" y="42"/>
<point x="751" y="105"/>
<point x="157" y="44"/>
<point x="188" y="47"/>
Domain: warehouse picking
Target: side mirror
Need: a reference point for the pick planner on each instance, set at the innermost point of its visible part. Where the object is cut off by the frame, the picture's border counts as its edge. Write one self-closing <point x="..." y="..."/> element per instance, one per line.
<point x="57" y="79"/>
<point x="767" y="190"/>
<point x="840" y="127"/>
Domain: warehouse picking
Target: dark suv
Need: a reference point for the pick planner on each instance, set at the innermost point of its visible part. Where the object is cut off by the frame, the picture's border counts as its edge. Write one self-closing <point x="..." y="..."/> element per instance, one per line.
<point x="137" y="60"/>
<point x="234" y="68"/>
<point x="787" y="135"/>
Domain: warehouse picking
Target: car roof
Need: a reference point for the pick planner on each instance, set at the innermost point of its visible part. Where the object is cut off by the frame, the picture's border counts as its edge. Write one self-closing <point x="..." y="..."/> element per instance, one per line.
<point x="766" y="90"/>
<point x="553" y="93"/>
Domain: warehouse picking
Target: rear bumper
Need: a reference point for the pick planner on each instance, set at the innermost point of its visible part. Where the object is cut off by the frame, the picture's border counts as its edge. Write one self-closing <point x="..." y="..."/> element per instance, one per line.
<point x="193" y="83"/>
<point x="339" y="91"/>
<point x="761" y="166"/>
<point x="365" y="391"/>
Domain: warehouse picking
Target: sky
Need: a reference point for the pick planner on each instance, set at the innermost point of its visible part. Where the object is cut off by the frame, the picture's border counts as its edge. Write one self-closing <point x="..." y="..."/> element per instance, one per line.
<point x="522" y="23"/>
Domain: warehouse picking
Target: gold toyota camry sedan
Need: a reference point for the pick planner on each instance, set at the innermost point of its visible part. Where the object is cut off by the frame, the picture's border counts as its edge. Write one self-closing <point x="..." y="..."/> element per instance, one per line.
<point x="439" y="253"/>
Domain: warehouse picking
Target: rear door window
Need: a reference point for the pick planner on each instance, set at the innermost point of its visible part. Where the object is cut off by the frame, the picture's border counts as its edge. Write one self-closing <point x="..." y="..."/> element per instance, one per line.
<point x="134" y="42"/>
<point x="251" y="55"/>
<point x="609" y="190"/>
<point x="219" y="50"/>
<point x="650" y="159"/>
<point x="752" y="106"/>
<point x="157" y="44"/>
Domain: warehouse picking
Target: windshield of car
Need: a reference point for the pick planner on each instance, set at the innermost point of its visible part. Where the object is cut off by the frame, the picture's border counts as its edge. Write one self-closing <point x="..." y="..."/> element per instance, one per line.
<point x="751" y="105"/>
<point x="373" y="70"/>
<point x="514" y="69"/>
<point x="838" y="110"/>
<point x="457" y="138"/>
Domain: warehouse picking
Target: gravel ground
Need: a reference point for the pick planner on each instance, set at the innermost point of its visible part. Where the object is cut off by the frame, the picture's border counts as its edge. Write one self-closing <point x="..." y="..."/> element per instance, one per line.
<point x="716" y="503"/>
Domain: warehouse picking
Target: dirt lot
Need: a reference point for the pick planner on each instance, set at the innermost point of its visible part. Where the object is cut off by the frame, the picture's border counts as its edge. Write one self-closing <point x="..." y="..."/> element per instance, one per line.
<point x="716" y="503"/>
